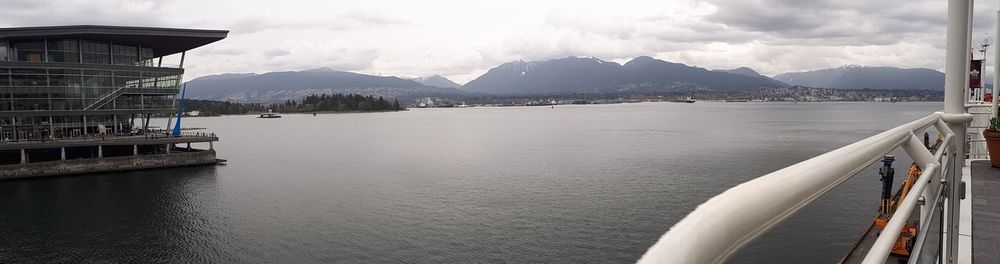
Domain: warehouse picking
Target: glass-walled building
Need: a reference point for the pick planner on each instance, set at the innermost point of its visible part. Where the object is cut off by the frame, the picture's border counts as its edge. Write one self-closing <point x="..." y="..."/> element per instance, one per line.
<point x="73" y="81"/>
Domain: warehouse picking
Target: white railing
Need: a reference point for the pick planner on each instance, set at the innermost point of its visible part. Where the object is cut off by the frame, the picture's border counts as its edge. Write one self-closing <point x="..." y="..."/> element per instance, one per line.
<point x="977" y="95"/>
<point x="724" y="224"/>
<point x="981" y="114"/>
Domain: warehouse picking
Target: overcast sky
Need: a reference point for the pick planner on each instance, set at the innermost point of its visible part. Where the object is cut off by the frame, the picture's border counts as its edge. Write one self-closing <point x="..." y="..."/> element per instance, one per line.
<point x="461" y="39"/>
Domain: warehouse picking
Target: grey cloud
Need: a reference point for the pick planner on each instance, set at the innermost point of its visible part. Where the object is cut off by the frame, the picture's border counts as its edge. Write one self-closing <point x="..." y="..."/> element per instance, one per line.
<point x="23" y="4"/>
<point x="615" y="27"/>
<point x="766" y="16"/>
<point x="249" y="25"/>
<point x="373" y="18"/>
<point x="832" y="22"/>
<point x="219" y="50"/>
<point x="698" y="32"/>
<point x="346" y="21"/>
<point x="276" y="53"/>
<point x="349" y="60"/>
<point x="111" y="12"/>
<point x="338" y="59"/>
<point x="245" y="26"/>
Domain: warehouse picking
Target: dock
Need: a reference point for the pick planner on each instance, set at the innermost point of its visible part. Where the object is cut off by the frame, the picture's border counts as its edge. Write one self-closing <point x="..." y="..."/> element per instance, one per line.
<point x="104" y="153"/>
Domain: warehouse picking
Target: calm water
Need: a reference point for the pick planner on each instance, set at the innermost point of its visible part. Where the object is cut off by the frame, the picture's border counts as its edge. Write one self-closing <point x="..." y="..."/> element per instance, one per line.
<point x="594" y="184"/>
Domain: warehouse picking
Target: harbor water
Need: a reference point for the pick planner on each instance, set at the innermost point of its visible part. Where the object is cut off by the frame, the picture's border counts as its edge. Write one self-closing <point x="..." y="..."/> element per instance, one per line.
<point x="569" y="184"/>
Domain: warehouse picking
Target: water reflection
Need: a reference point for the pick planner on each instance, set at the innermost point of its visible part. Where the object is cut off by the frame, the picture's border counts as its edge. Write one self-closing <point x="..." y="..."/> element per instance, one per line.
<point x="168" y="215"/>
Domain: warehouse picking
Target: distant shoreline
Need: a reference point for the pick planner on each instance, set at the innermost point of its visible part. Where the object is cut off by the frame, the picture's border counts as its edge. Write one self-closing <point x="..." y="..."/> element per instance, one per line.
<point x="704" y="101"/>
<point x="564" y="105"/>
<point x="308" y="113"/>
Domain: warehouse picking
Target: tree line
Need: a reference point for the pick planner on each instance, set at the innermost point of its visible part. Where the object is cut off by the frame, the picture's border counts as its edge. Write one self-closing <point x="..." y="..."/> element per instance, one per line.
<point x="311" y="103"/>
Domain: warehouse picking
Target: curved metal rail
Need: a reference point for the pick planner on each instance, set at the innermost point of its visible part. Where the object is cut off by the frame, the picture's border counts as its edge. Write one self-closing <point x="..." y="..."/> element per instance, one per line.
<point x="726" y="223"/>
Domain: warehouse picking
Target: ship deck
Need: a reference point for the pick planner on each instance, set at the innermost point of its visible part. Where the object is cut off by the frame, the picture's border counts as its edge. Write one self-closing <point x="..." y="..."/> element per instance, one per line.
<point x="985" y="194"/>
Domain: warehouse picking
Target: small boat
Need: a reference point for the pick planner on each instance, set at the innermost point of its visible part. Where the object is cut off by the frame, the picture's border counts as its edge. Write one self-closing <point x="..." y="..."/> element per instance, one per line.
<point x="688" y="100"/>
<point x="269" y="114"/>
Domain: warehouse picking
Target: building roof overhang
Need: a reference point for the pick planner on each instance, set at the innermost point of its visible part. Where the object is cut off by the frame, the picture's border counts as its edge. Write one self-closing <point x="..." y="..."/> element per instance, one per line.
<point x="163" y="41"/>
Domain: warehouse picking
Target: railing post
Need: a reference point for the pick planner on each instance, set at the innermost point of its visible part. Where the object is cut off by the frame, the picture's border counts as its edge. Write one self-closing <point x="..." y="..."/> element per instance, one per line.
<point x="956" y="86"/>
<point x="916" y="150"/>
<point x="996" y="67"/>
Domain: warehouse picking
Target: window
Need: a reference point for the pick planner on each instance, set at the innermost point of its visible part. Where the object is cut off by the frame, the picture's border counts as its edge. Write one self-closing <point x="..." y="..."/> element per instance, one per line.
<point x="167" y="82"/>
<point x="95" y="52"/>
<point x="28" y="77"/>
<point x="61" y="104"/>
<point x="128" y="102"/>
<point x="146" y="57"/>
<point x="127" y="79"/>
<point x="97" y="81"/>
<point x="94" y="93"/>
<point x="58" y="80"/>
<point x="4" y="78"/>
<point x="29" y="80"/>
<point x="31" y="104"/>
<point x="64" y="77"/>
<point x="29" y="51"/>
<point x="124" y="55"/>
<point x="158" y="80"/>
<point x="64" y="51"/>
<point x="94" y="78"/>
<point x="3" y="51"/>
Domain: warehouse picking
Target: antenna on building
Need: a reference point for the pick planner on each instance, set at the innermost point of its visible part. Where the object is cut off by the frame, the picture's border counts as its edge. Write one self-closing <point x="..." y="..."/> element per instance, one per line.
<point x="983" y="45"/>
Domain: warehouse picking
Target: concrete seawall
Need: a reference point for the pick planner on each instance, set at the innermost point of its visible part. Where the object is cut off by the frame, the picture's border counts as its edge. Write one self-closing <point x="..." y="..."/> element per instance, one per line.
<point x="107" y="164"/>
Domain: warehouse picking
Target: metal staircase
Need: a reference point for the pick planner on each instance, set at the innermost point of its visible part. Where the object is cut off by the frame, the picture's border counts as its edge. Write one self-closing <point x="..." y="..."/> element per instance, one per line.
<point x="106" y="99"/>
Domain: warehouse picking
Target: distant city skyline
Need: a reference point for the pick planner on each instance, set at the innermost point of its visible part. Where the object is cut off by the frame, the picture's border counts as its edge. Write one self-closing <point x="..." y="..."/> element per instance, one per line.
<point x="463" y="39"/>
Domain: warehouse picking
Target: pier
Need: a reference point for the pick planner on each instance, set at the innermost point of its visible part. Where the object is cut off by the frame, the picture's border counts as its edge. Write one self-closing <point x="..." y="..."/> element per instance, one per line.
<point x="25" y="159"/>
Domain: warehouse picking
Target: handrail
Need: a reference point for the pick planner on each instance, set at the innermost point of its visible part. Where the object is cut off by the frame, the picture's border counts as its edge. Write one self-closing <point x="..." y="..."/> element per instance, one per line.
<point x="101" y="102"/>
<point x="883" y="244"/>
<point x="724" y="224"/>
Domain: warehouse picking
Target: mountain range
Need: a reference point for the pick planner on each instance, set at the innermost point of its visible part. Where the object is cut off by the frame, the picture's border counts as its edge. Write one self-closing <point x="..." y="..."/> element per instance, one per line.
<point x="566" y="76"/>
<point x="861" y="77"/>
<point x="644" y="75"/>
<point x="436" y="81"/>
<point x="752" y="73"/>
<point x="293" y="85"/>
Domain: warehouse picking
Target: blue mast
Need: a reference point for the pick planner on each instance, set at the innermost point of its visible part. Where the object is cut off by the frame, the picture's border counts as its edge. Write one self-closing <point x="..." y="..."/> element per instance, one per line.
<point x="180" y="112"/>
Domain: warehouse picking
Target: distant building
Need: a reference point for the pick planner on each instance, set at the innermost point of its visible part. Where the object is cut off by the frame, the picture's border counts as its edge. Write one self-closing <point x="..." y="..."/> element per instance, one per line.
<point x="75" y="83"/>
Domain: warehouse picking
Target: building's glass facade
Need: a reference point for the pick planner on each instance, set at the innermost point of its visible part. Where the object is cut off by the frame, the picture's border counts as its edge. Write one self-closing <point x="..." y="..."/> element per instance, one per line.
<point x="69" y="87"/>
<point x="78" y="51"/>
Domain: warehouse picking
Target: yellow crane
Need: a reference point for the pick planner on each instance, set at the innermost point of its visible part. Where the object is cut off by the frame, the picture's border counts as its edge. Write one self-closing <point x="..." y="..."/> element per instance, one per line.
<point x="888" y="205"/>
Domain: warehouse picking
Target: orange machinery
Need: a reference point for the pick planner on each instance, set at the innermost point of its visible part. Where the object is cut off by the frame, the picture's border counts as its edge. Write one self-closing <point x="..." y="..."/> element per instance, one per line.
<point x="888" y="205"/>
